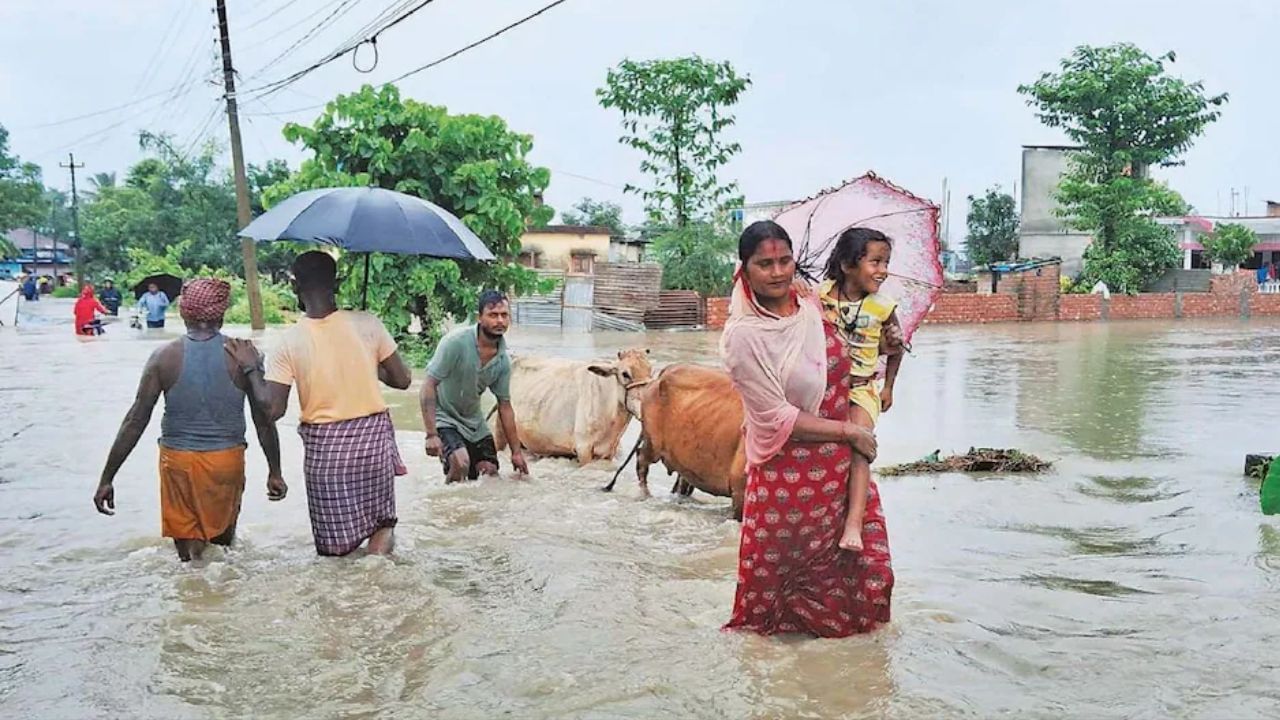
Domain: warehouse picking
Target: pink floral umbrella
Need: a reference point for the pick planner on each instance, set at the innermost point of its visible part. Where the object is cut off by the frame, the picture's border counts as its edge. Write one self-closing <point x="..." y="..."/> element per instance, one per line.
<point x="911" y="222"/>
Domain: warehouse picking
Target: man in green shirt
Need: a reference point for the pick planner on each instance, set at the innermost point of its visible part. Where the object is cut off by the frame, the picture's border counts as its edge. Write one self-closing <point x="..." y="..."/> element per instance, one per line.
<point x="467" y="362"/>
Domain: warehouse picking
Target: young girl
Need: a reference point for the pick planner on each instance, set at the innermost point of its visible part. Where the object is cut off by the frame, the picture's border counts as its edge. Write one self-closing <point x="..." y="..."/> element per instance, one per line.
<point x="867" y="323"/>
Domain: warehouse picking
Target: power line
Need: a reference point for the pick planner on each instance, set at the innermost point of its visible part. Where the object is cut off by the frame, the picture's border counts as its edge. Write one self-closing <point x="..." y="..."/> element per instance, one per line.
<point x="275" y="37"/>
<point x="104" y="111"/>
<point x="341" y="10"/>
<point x="267" y="89"/>
<point x="349" y="47"/>
<point x="479" y="42"/>
<point x="268" y="16"/>
<point x="154" y="64"/>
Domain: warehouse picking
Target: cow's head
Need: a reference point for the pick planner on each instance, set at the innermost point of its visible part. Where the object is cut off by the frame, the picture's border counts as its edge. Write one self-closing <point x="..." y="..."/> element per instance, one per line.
<point x="632" y="371"/>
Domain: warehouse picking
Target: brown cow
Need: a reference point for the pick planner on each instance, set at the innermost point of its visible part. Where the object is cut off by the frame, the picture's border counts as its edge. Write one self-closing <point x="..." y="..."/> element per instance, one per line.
<point x="691" y="421"/>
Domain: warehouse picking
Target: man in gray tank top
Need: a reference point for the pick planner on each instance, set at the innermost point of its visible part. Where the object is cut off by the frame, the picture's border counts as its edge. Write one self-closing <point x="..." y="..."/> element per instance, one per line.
<point x="202" y="440"/>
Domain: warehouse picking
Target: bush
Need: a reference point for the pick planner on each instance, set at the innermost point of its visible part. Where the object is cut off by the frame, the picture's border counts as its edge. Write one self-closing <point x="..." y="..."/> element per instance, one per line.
<point x="1230" y="244"/>
<point x="65" y="292"/>
<point x="278" y="303"/>
<point x="697" y="257"/>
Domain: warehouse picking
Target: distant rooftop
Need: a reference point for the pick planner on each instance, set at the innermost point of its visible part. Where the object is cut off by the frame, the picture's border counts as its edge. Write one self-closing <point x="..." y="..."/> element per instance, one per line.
<point x="571" y="230"/>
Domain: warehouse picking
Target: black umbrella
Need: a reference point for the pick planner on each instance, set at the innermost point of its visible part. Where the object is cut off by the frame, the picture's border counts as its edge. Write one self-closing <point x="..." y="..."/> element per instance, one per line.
<point x="168" y="284"/>
<point x="369" y="220"/>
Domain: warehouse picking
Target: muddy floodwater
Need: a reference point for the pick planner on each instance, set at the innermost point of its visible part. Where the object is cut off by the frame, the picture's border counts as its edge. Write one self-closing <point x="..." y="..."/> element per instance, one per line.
<point x="1137" y="579"/>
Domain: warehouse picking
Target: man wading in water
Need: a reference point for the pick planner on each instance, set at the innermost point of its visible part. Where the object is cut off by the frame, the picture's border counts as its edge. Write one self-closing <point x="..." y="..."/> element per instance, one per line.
<point x="202" y="439"/>
<point x="337" y="359"/>
<point x="467" y="362"/>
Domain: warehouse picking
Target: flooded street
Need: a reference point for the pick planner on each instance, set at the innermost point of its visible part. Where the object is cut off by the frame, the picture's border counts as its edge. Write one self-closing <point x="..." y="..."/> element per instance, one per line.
<point x="1137" y="579"/>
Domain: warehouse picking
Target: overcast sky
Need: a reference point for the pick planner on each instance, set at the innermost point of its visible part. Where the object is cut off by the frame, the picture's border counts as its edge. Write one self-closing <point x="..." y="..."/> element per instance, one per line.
<point x="917" y="90"/>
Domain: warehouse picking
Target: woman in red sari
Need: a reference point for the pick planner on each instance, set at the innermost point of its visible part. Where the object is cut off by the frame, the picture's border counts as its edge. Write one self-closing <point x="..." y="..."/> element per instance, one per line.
<point x="793" y="374"/>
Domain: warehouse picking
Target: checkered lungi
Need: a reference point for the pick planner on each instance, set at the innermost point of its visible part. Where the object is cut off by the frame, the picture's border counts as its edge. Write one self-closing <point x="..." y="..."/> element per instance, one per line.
<point x="350" y="468"/>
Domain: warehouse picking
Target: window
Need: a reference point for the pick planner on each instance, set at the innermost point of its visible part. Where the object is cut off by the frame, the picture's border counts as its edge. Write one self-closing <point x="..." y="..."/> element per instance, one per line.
<point x="582" y="264"/>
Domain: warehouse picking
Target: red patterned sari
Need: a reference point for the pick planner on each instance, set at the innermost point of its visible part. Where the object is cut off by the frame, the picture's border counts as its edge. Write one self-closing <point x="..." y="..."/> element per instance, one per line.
<point x="792" y="577"/>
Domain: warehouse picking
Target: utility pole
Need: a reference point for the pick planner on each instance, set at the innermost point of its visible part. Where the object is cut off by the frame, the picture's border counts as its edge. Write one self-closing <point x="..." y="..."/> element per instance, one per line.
<point x="237" y="167"/>
<point x="75" y="226"/>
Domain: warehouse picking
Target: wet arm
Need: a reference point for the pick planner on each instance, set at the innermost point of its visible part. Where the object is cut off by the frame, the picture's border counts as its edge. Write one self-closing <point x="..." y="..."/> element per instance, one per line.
<point x="135" y="421"/>
<point x="268" y="437"/>
<point x="892" y="364"/>
<point x="507" y="416"/>
<point x="894" y="349"/>
<point x="394" y="372"/>
<point x="811" y="428"/>
<point x="427" y="402"/>
<point x="269" y="398"/>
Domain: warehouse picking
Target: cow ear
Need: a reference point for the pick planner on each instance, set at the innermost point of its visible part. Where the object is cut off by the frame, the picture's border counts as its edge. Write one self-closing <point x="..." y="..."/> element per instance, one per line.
<point x="619" y="354"/>
<point x="603" y="370"/>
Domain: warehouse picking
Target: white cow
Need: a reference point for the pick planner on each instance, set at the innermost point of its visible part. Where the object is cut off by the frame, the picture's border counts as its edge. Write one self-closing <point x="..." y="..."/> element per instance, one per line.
<point x="568" y="408"/>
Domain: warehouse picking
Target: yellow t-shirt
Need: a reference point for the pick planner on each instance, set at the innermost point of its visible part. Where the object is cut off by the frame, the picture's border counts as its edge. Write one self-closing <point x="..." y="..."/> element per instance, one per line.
<point x="334" y="362"/>
<point x="860" y="323"/>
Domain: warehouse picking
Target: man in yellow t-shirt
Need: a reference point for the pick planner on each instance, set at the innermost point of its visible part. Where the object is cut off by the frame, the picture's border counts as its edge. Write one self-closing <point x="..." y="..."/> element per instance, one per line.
<point x="338" y="359"/>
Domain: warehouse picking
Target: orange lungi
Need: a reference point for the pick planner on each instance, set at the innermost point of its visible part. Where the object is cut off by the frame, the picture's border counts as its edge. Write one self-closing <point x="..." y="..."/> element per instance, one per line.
<point x="200" y="492"/>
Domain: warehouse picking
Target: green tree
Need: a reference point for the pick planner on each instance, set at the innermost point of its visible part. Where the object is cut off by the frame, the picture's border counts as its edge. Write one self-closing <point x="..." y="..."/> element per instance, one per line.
<point x="596" y="212"/>
<point x="698" y="256"/>
<point x="99" y="182"/>
<point x="169" y="198"/>
<point x="1230" y="244"/>
<point x="1127" y="114"/>
<point x="676" y="112"/>
<point x="7" y="249"/>
<point x="274" y="259"/>
<point x="992" y="227"/>
<point x="21" y="190"/>
<point x="471" y="165"/>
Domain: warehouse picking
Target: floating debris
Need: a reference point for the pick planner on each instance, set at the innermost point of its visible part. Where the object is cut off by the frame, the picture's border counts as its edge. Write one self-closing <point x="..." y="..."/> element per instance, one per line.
<point x="993" y="460"/>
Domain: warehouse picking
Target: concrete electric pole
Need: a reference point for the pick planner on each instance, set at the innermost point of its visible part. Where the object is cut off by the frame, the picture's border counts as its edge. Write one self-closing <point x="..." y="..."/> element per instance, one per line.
<point x="237" y="166"/>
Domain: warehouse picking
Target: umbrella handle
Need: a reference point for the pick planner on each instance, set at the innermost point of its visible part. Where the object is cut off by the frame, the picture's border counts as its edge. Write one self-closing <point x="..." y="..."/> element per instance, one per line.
<point x="364" y="299"/>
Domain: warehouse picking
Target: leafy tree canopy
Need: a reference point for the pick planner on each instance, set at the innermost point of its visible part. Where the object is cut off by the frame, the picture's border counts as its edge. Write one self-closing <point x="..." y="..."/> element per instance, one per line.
<point x="474" y="166"/>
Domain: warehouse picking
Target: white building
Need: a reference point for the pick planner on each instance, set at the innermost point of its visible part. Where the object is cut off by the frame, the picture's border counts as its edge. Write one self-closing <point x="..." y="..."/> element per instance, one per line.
<point x="1192" y="229"/>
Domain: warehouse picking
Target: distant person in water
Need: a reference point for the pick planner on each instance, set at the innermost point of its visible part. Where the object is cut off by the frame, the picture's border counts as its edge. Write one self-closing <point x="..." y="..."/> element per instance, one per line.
<point x="337" y="358"/>
<point x="30" y="291"/>
<point x="110" y="297"/>
<point x="202" y="437"/>
<point x="155" y="303"/>
<point x="86" y="309"/>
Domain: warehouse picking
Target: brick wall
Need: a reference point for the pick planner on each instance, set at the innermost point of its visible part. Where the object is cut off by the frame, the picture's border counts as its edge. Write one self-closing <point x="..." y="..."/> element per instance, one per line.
<point x="1234" y="283"/>
<point x="1196" y="305"/>
<point x="973" y="308"/>
<point x="1146" y="306"/>
<point x="717" y="313"/>
<point x="1036" y="291"/>
<point x="1080" y="307"/>
<point x="1264" y="305"/>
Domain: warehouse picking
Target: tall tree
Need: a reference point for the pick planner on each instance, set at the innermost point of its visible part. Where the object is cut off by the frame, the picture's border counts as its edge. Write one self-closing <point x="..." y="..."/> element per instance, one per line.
<point x="474" y="166"/>
<point x="1128" y="114"/>
<point x="992" y="227"/>
<point x="596" y="212"/>
<point x="676" y="112"/>
<point x="21" y="190"/>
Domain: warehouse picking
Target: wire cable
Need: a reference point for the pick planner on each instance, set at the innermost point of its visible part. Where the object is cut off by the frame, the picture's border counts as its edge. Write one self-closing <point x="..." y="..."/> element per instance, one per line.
<point x="479" y="42"/>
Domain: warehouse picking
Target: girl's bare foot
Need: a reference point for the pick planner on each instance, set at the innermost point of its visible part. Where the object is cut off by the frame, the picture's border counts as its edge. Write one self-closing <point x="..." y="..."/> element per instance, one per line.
<point x="851" y="540"/>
